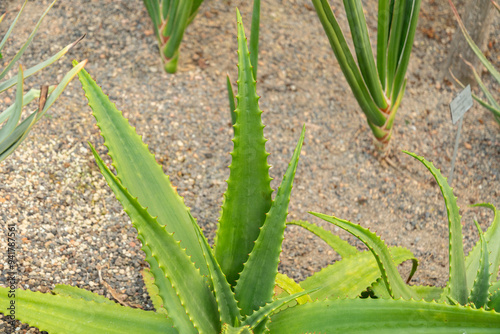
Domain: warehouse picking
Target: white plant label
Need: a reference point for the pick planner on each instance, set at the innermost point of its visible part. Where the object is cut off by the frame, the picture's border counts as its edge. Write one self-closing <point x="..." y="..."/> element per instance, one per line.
<point x="461" y="104"/>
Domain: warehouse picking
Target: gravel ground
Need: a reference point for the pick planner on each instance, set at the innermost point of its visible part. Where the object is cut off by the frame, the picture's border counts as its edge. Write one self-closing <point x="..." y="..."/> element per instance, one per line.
<point x="73" y="231"/>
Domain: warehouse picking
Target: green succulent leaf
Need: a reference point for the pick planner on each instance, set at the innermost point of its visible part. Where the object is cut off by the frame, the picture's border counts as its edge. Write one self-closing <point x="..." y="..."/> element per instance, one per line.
<point x="256" y="283"/>
<point x="479" y="293"/>
<point x="290" y="287"/>
<point x="340" y="246"/>
<point x="362" y="46"/>
<point x="394" y="283"/>
<point x="59" y="314"/>
<point x="457" y="282"/>
<point x="382" y="316"/>
<point x="494" y="301"/>
<point x="75" y="292"/>
<point x="491" y="236"/>
<point x="193" y="292"/>
<point x="227" y="329"/>
<point x="136" y="166"/>
<point x="254" y="38"/>
<point x="248" y="195"/>
<point x="332" y="279"/>
<point x="153" y="290"/>
<point x="347" y="62"/>
<point x="265" y="311"/>
<point x="227" y="306"/>
<point x="232" y="102"/>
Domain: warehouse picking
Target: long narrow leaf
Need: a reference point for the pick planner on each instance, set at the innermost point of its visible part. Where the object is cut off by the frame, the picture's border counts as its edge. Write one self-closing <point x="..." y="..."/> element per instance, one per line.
<point x="248" y="195"/>
<point x="254" y="38"/>
<point x="362" y="46"/>
<point x="12" y="25"/>
<point x="227" y="306"/>
<point x="346" y="62"/>
<point x="457" y="274"/>
<point x="479" y="293"/>
<point x="337" y="281"/>
<point x="58" y="314"/>
<point x="383" y="316"/>
<point x="192" y="290"/>
<point x="136" y="166"/>
<point x="395" y="285"/>
<point x="340" y="246"/>
<point x="255" y="286"/>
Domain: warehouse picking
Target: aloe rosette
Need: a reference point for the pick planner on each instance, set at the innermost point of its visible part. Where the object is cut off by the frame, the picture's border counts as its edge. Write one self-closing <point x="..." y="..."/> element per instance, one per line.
<point x="230" y="287"/>
<point x="377" y="84"/>
<point x="491" y="104"/>
<point x="14" y="131"/>
<point x="170" y="20"/>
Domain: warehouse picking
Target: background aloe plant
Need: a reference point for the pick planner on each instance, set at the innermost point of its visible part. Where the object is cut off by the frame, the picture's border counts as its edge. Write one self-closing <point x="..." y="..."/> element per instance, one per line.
<point x="492" y="105"/>
<point x="170" y="20"/>
<point x="191" y="291"/>
<point x="377" y="84"/>
<point x="13" y="132"/>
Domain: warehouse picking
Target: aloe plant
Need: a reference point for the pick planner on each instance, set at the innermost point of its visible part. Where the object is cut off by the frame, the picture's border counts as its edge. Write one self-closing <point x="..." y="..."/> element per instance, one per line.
<point x="170" y="20"/>
<point x="377" y="84"/>
<point x="13" y="133"/>
<point x="199" y="289"/>
<point x="491" y="104"/>
<point x="472" y="279"/>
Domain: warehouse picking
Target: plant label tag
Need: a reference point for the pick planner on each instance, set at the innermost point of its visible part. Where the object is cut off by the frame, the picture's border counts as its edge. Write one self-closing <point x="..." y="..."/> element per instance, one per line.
<point x="461" y="104"/>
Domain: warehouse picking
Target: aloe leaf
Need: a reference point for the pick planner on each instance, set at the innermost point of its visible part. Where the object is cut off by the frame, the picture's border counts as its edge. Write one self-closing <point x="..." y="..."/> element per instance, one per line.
<point x="479" y="293"/>
<point x="232" y="103"/>
<point x="291" y="287"/>
<point x="347" y="63"/>
<point x="383" y="24"/>
<point x="395" y="285"/>
<point x="382" y="316"/>
<point x="153" y="8"/>
<point x="51" y="313"/>
<point x="248" y="195"/>
<point x="494" y="301"/>
<point x="337" y="280"/>
<point x="254" y="38"/>
<point x="192" y="290"/>
<point x="265" y="311"/>
<point x="227" y="306"/>
<point x="255" y="286"/>
<point x="10" y="125"/>
<point x="427" y="293"/>
<point x="362" y="46"/>
<point x="153" y="290"/>
<point x="473" y="45"/>
<point x="32" y="70"/>
<point x="457" y="274"/>
<point x="26" y="44"/>
<point x="228" y="329"/>
<point x="12" y="25"/>
<point x="491" y="236"/>
<point x="75" y="292"/>
<point x="136" y="166"/>
<point x="340" y="246"/>
<point x="178" y="27"/>
<point x="406" y="45"/>
<point x="396" y="31"/>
